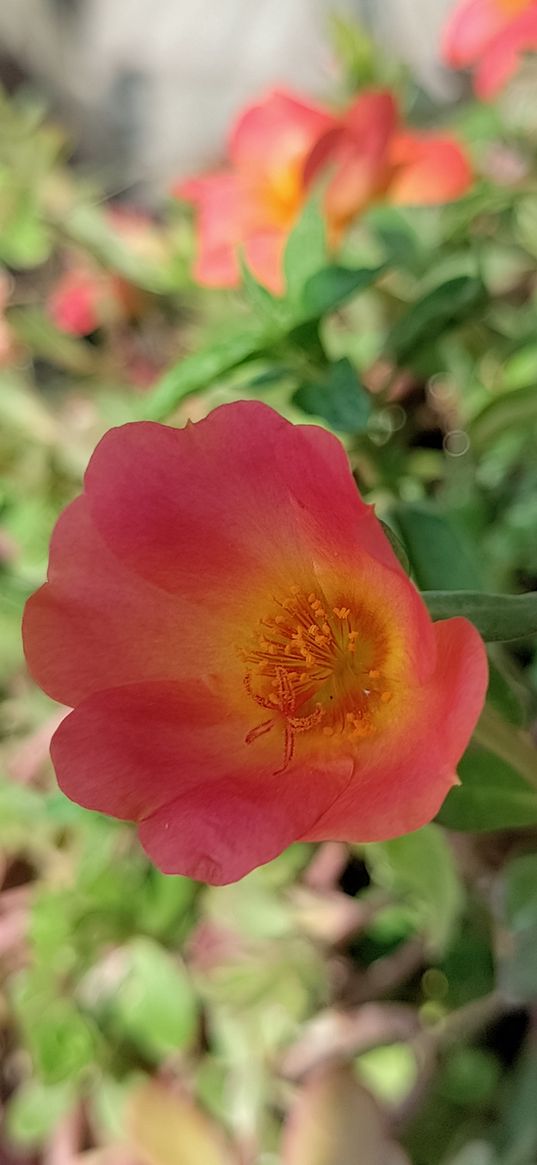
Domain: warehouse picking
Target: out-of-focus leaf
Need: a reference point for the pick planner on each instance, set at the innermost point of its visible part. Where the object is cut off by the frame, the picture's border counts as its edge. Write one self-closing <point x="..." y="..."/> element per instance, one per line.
<point x="356" y="51"/>
<point x="340" y="399"/>
<point x="419" y="868"/>
<point x="61" y="1040"/>
<point x="399" y="237"/>
<point x="518" y="953"/>
<point x="331" y="287"/>
<point x="305" y="251"/>
<point x="512" y="410"/>
<point x="35" y="1111"/>
<point x="199" y="371"/>
<point x="22" y="815"/>
<point x="520" y="371"/>
<point x="390" y="1072"/>
<point x="508" y="742"/>
<point x="470" y="1075"/>
<point x="335" y="1121"/>
<point x="440" y="556"/>
<point x="267" y="306"/>
<point x="434" y="314"/>
<point x="169" y="1129"/>
<point x="475" y="1153"/>
<point x="45" y="340"/>
<point x="517" y="1135"/>
<point x="498" y="618"/>
<point x="155" y="1005"/>
<point x="492" y="795"/>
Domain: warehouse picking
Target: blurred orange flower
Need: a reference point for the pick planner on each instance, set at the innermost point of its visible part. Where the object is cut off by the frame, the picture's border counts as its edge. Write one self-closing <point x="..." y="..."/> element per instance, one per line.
<point x="279" y="147"/>
<point x="491" y="35"/>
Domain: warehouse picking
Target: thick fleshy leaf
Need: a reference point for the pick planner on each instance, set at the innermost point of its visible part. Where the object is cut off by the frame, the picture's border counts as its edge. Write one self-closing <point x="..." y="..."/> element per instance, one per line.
<point x="328" y="289"/>
<point x="498" y="618"/>
<point x="435" y="314"/>
<point x="340" y="399"/>
<point x="435" y="901"/>
<point x="491" y="795"/>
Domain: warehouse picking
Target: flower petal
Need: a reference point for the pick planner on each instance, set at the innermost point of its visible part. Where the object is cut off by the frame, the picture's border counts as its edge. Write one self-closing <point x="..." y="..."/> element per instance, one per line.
<point x="194" y="510"/>
<point x="362" y="156"/>
<point x="225" y="214"/>
<point x="406" y="773"/>
<point x="173" y="758"/>
<point x="96" y="623"/>
<point x="219" y="834"/>
<point x="275" y="133"/>
<point x="263" y="251"/>
<point x="502" y="57"/>
<point x="428" y="170"/>
<point x="470" y="28"/>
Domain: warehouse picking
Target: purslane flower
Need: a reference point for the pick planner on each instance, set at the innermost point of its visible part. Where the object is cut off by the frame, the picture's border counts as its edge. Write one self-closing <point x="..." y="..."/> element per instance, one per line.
<point x="247" y="661"/>
<point x="490" y="36"/>
<point x="279" y="147"/>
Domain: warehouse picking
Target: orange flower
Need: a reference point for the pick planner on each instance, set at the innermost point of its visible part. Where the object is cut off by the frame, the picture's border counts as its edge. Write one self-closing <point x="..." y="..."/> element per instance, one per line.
<point x="279" y="147"/>
<point x="491" y="35"/>
<point x="247" y="661"/>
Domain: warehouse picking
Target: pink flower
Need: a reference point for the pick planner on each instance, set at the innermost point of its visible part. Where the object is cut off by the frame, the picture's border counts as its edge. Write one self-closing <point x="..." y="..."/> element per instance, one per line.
<point x="490" y="35"/>
<point x="247" y="661"/>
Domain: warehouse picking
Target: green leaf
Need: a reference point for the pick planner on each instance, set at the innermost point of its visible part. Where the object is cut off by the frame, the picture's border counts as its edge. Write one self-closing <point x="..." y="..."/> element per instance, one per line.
<point x="518" y="966"/>
<point x="47" y="342"/>
<point x="199" y="371"/>
<point x="397" y="546"/>
<point x="492" y="795"/>
<point x="305" y="252"/>
<point x="439" y="553"/>
<point x="520" y="371"/>
<point x="517" y="1133"/>
<point x="155" y="1006"/>
<point x="35" y="1111"/>
<point x="434" y="314"/>
<point x="340" y="399"/>
<point x="328" y="289"/>
<point x="512" y="410"/>
<point x="420" y="869"/>
<point x="60" y="1039"/>
<point x="498" y="618"/>
<point x="507" y="742"/>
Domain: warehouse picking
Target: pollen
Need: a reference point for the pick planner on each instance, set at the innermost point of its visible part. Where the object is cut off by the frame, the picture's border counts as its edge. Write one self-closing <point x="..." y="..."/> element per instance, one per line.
<point x="323" y="675"/>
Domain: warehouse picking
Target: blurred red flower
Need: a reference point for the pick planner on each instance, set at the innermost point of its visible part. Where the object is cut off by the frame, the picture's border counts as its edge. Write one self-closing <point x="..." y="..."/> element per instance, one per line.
<point x="491" y="35"/>
<point x="87" y="296"/>
<point x="281" y="145"/>
<point x="248" y="663"/>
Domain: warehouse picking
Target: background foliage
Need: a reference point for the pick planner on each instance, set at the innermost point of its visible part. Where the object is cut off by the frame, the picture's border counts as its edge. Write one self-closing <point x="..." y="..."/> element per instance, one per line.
<point x="341" y="1005"/>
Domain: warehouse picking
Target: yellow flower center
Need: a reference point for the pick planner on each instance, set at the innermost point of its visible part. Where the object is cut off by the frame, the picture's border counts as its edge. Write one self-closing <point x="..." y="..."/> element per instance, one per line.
<point x="318" y="667"/>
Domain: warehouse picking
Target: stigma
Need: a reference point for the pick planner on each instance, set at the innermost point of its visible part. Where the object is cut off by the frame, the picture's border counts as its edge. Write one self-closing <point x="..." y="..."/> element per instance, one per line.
<point x="317" y="666"/>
